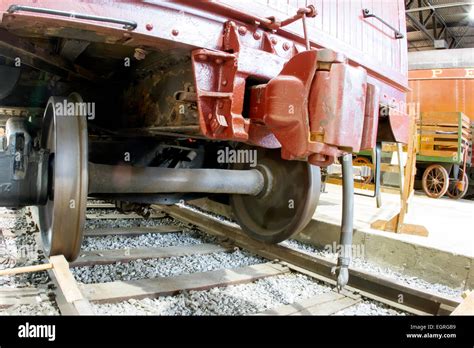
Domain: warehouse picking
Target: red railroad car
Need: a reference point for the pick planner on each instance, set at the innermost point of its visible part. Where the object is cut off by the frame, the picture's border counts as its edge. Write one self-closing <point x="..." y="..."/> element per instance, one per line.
<point x="173" y="100"/>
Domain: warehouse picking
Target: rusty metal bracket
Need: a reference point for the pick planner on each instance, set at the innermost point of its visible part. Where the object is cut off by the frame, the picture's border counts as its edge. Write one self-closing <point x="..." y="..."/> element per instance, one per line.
<point x="129" y="25"/>
<point x="367" y="14"/>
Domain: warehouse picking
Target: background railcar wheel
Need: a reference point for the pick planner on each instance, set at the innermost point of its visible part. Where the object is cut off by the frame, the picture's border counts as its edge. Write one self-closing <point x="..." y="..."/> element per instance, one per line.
<point x="364" y="161"/>
<point x="453" y="190"/>
<point x="61" y="220"/>
<point x="435" y="181"/>
<point x="286" y="204"/>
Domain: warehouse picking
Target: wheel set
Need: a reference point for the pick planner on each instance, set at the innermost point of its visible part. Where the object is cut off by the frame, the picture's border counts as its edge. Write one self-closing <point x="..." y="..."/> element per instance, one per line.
<point x="271" y="202"/>
<point x="436" y="183"/>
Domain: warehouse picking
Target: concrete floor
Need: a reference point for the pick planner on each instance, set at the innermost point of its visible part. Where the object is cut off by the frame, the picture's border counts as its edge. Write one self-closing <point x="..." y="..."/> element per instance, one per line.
<point x="450" y="223"/>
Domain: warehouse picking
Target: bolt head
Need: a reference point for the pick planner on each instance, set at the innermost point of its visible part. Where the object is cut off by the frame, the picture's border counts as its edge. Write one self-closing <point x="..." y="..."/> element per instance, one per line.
<point x="149" y="27"/>
<point x="175" y="32"/>
<point x="242" y="30"/>
<point x="257" y="35"/>
<point x="286" y="46"/>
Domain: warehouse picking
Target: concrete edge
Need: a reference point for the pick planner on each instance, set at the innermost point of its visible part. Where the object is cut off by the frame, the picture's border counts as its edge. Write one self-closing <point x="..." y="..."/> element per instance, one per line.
<point x="430" y="264"/>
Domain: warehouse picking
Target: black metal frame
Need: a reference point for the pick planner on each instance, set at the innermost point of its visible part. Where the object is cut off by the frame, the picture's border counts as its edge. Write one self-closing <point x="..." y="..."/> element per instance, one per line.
<point x="129" y="25"/>
<point x="440" y="28"/>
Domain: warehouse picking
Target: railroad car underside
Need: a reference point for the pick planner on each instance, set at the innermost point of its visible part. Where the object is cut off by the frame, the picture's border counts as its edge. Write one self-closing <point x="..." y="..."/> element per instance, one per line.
<point x="160" y="112"/>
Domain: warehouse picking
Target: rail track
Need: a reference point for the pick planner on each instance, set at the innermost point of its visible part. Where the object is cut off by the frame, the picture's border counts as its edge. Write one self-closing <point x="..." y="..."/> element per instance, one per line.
<point x="77" y="298"/>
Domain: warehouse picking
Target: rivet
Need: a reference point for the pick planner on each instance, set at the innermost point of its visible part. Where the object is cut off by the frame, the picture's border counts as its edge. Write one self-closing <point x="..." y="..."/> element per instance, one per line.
<point x="286" y="46"/>
<point x="175" y="32"/>
<point x="242" y="30"/>
<point x="224" y="83"/>
<point x="257" y="35"/>
<point x="127" y="35"/>
<point x="202" y="57"/>
<point x="219" y="61"/>
<point x="274" y="41"/>
<point x="149" y="27"/>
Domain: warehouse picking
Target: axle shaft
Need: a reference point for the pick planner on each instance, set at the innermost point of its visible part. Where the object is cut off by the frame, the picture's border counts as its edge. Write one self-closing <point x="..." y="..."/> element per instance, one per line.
<point x="128" y="179"/>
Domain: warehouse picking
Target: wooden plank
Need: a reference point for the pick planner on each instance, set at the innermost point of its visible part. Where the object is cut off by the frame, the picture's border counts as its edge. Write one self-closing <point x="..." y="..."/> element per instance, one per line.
<point x="131" y="231"/>
<point x="68" y="288"/>
<point x="26" y="269"/>
<point x="121" y="216"/>
<point x="389" y="168"/>
<point x="301" y="305"/>
<point x="19" y="296"/>
<point x="143" y="288"/>
<point x="329" y="308"/>
<point x="440" y="117"/>
<point x="440" y="128"/>
<point x="363" y="186"/>
<point x="467" y="305"/>
<point x="103" y="257"/>
<point x="443" y="136"/>
<point x="453" y="143"/>
<point x="440" y="153"/>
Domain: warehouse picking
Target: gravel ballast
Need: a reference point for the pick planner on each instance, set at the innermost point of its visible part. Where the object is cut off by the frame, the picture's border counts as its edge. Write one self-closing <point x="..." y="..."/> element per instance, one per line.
<point x="243" y="299"/>
<point x="148" y="240"/>
<point x="240" y="299"/>
<point x="370" y="267"/>
<point x="166" y="267"/>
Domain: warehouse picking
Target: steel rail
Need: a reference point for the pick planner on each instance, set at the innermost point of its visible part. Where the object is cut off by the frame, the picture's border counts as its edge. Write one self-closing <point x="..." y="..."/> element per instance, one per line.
<point x="384" y="290"/>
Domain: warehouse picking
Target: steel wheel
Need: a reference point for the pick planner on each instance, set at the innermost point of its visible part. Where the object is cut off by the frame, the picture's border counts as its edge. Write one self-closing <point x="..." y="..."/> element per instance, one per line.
<point x="364" y="161"/>
<point x="61" y="219"/>
<point x="454" y="190"/>
<point x="435" y="181"/>
<point x="286" y="204"/>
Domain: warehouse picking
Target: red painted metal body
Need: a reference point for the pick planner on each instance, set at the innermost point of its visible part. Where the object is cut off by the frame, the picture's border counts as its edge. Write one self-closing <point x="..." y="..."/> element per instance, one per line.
<point x="313" y="104"/>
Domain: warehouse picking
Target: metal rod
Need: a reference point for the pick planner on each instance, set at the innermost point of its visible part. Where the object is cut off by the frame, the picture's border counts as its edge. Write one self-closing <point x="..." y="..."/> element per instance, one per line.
<point x="367" y="14"/>
<point x="128" y="179"/>
<point x="305" y="31"/>
<point x="129" y="25"/>
<point x="377" y="159"/>
<point x="378" y="166"/>
<point x="440" y="6"/>
<point x="345" y="242"/>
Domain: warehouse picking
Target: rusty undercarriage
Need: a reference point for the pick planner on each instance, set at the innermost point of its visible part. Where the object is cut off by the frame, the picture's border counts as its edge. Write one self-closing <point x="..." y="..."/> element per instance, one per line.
<point x="157" y="90"/>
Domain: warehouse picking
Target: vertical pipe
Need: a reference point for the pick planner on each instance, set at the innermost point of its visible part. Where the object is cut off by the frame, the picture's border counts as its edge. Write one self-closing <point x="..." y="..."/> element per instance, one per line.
<point x="305" y="32"/>
<point x="378" y="165"/>
<point x="347" y="221"/>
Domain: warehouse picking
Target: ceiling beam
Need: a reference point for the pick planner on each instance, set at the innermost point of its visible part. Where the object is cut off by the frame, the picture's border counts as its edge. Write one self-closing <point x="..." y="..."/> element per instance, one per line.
<point x="440" y="29"/>
<point x="427" y="8"/>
